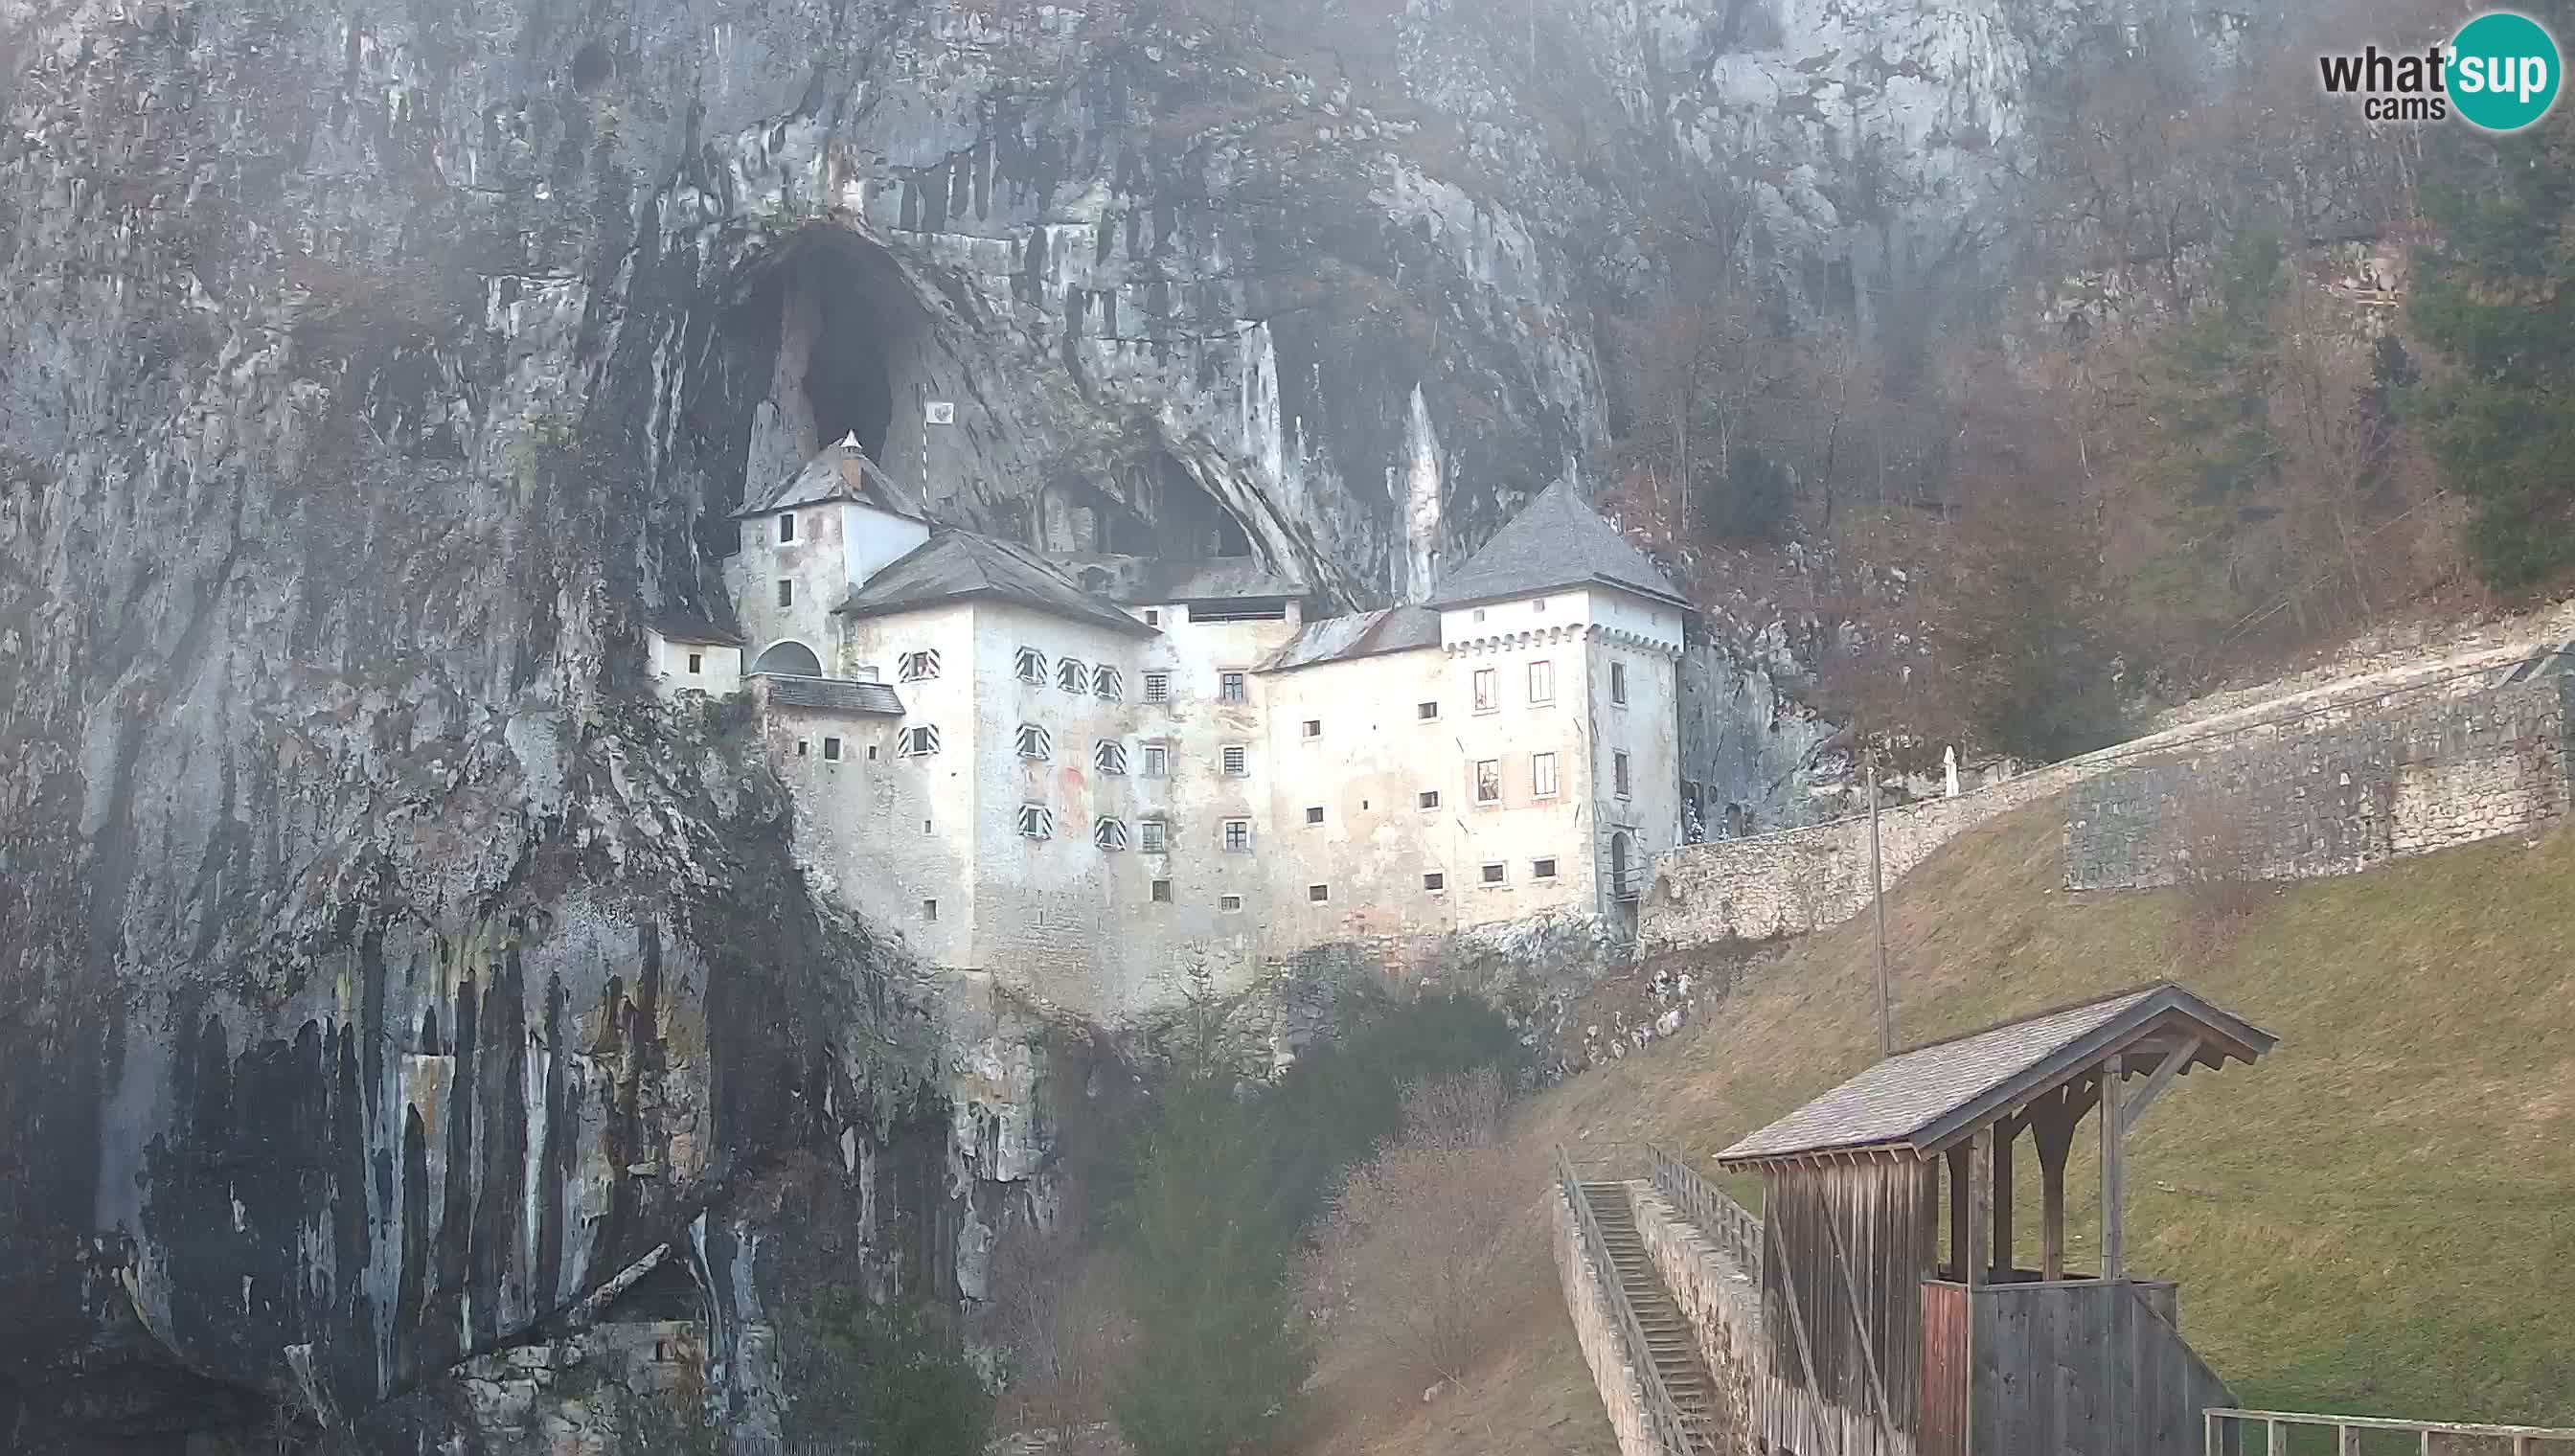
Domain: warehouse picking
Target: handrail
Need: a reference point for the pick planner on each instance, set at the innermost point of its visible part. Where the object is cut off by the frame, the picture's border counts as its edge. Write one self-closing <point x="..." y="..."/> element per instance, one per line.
<point x="1730" y="1223"/>
<point x="2275" y="1425"/>
<point x="1675" y="1432"/>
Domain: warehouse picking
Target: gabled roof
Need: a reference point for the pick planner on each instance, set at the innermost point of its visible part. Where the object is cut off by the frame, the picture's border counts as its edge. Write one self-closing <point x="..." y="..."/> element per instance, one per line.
<point x="841" y="472"/>
<point x="959" y="566"/>
<point x="1921" y="1101"/>
<point x="688" y="625"/>
<point x="1556" y="543"/>
<point x="832" y="694"/>
<point x="1366" y="635"/>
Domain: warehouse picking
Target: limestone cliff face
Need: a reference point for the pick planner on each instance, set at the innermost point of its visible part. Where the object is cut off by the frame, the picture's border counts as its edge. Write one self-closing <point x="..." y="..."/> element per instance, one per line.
<point x="378" y="972"/>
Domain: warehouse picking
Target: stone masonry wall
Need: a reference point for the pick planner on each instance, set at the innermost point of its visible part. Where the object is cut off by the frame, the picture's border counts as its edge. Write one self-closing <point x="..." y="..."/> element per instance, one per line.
<point x="1721" y="1301"/>
<point x="1596" y="1328"/>
<point x="2337" y="799"/>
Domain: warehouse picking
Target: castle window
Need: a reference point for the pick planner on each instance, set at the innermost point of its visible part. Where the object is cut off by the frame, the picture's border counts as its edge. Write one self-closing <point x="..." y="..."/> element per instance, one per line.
<point x="1434" y="881"/>
<point x="1539" y="608"/>
<point x="1153" y="617"/>
<point x="1488" y="695"/>
<point x="1618" y="684"/>
<point x="1237" y="836"/>
<point x="1543" y="774"/>
<point x="1619" y="773"/>
<point x="1317" y="893"/>
<point x="1230" y="687"/>
<point x="1106" y="683"/>
<point x="930" y="909"/>
<point x="1033" y="743"/>
<point x="696" y="663"/>
<point x="1489" y="780"/>
<point x="1541" y="681"/>
<point x="1236" y="760"/>
<point x="1314" y="813"/>
<point x="1480" y="614"/>
<point x="1541" y="870"/>
<point x="1158" y="760"/>
<point x="1426" y="712"/>
<point x="1154" y="836"/>
<point x="803" y="747"/>
<point x="1031" y="665"/>
<point x="1491" y="874"/>
<point x="831" y="751"/>
<point x="786" y="593"/>
<point x="1313" y="728"/>
<point x="917" y="743"/>
<point x="1428" y="798"/>
<point x="918" y="667"/>
<point x="1158" y="687"/>
<point x="1072" y="676"/>
<point x="1037" y="821"/>
<point x="786" y="527"/>
<point x="871" y="752"/>
<point x="1161" y="891"/>
<point x="1110" y="757"/>
<point x="1229" y="902"/>
<point x="1109" y="833"/>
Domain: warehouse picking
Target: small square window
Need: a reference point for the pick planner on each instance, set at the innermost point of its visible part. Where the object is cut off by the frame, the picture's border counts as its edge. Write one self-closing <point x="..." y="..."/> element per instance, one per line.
<point x="696" y="663"/>
<point x="786" y="593"/>
<point x="1073" y="676"/>
<point x="1317" y="893"/>
<point x="1619" y="682"/>
<point x="786" y="527"/>
<point x="1030" y="665"/>
<point x="1313" y="728"/>
<point x="1619" y="774"/>
<point x="930" y="909"/>
<point x="1238" y="834"/>
<point x="1428" y="798"/>
<point x="803" y="747"/>
<point x="1229" y="902"/>
<point x="1153" y="617"/>
<point x="1161" y="891"/>
<point x="1314" y="813"/>
<point x="1480" y="614"/>
<point x="917" y="743"/>
<point x="1488" y="695"/>
<point x="918" y="667"/>
<point x="1541" y="870"/>
<point x="1491" y="874"/>
<point x="1109" y="833"/>
<point x="1152" y="836"/>
<point x="1434" y="881"/>
<point x="1036" y="820"/>
<point x="871" y="752"/>
<point x="1236" y="760"/>
<point x="1426" y="712"/>
<point x="1107" y="684"/>
<point x="1158" y="760"/>
<point x="1230" y="687"/>
<point x="1158" y="687"/>
<point x="1539" y="608"/>
<point x="831" y="751"/>
<point x="1489" y="780"/>
<point x="1034" y="741"/>
<point x="1110" y="757"/>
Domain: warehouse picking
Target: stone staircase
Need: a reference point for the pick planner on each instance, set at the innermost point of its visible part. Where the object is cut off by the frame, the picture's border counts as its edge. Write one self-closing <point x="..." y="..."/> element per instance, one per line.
<point x="1668" y="1340"/>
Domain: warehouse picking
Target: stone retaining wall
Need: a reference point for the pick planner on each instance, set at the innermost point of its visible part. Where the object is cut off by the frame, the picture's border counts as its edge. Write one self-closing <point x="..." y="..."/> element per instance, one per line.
<point x="1596" y="1327"/>
<point x="1719" y="1299"/>
<point x="2347" y="793"/>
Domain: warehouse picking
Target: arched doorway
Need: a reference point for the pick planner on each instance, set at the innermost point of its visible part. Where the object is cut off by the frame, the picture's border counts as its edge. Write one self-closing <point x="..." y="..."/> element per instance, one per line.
<point x="790" y="659"/>
<point x="1618" y="877"/>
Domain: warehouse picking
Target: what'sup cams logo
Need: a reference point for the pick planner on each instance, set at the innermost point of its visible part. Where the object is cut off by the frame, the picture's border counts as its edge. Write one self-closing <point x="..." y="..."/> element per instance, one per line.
<point x="2498" y="74"/>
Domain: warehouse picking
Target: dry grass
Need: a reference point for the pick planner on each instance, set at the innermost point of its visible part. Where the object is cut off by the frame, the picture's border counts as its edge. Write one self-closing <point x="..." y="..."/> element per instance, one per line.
<point x="2379" y="1219"/>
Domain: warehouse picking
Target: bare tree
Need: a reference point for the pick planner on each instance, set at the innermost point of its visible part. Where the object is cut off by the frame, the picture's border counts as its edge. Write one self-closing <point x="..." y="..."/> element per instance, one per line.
<point x="1065" y="1327"/>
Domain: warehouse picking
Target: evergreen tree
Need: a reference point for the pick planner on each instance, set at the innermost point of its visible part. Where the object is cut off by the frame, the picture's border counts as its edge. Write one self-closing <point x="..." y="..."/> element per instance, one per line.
<point x="2497" y="298"/>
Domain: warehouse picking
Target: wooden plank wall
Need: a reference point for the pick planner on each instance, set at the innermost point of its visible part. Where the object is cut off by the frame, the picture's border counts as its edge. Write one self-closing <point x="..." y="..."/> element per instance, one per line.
<point x="1832" y="1234"/>
<point x="1944" y="1371"/>
<point x="2093" y="1368"/>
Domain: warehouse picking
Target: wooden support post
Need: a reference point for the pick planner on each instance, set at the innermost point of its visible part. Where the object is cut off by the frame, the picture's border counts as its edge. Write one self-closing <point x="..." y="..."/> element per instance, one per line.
<point x="2005" y="1134"/>
<point x="2114" y="1174"/>
<point x="2347" y="1442"/>
<point x="1980" y="1163"/>
<point x="2051" y="1131"/>
<point x="1958" y="1212"/>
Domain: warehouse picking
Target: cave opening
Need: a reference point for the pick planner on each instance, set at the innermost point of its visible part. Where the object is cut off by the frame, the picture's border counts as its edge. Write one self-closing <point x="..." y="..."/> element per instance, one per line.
<point x="1193" y="521"/>
<point x="837" y="341"/>
<point x="848" y="385"/>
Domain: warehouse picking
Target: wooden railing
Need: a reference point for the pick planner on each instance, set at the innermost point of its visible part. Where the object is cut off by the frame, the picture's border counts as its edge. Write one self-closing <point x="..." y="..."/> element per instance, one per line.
<point x="2227" y="1429"/>
<point x="1726" y="1222"/>
<point x="1674" y="1430"/>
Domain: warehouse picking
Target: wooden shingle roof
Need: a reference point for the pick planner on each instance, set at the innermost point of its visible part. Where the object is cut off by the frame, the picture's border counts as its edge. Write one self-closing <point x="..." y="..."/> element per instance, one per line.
<point x="1556" y="542"/>
<point x="1921" y="1102"/>
<point x="833" y="694"/>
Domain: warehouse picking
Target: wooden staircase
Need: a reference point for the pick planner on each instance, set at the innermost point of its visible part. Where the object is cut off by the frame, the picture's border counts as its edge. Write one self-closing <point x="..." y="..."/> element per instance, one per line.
<point x="1668" y="1341"/>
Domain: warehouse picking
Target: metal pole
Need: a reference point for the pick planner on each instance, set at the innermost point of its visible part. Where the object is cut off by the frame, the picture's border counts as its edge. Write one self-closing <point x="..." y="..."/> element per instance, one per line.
<point x="1877" y="894"/>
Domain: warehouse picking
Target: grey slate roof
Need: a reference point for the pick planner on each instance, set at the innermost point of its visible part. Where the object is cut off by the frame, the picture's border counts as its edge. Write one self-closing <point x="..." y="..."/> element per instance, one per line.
<point x="1555" y="542"/>
<point x="841" y="472"/>
<point x="1364" y="635"/>
<point x="1923" y="1099"/>
<point x="688" y="625"/>
<point x="1157" y="580"/>
<point x="833" y="694"/>
<point x="959" y="566"/>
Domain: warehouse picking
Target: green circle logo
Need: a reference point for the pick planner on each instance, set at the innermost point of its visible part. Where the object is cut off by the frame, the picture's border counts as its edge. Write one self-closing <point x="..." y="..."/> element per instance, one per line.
<point x="2502" y="73"/>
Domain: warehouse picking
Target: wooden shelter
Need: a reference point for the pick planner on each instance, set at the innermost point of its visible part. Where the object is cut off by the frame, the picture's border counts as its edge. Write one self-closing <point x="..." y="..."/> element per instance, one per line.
<point x="1883" y="1341"/>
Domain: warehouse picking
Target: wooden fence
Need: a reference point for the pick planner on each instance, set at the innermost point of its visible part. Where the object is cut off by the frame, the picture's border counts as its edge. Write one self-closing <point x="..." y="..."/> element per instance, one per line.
<point x="1726" y="1222"/>
<point x="2282" y="1432"/>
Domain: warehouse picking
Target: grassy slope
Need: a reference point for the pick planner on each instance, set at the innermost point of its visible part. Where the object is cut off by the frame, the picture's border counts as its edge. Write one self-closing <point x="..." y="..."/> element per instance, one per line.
<point x="2380" y="1217"/>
